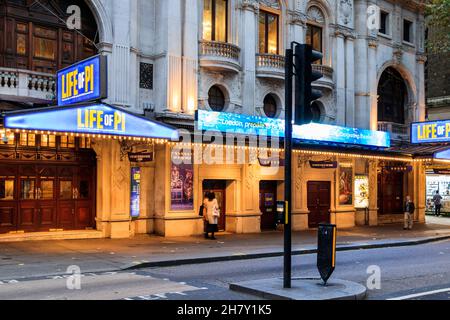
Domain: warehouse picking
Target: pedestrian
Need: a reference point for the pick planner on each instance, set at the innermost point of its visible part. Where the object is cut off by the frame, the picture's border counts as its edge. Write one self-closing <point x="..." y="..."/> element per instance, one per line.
<point x="212" y="215"/>
<point x="202" y="213"/>
<point x="410" y="208"/>
<point x="437" y="200"/>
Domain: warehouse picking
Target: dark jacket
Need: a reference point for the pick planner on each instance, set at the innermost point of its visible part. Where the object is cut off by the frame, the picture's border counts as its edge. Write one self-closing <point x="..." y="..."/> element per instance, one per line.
<point x="410" y="207"/>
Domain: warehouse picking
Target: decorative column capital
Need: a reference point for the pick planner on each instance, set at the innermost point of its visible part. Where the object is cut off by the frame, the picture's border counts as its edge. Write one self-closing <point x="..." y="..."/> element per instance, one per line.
<point x="250" y="5"/>
<point x="421" y="58"/>
<point x="373" y="43"/>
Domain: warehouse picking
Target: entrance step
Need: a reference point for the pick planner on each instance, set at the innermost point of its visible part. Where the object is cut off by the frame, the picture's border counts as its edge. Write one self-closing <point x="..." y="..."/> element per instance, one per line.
<point x="56" y="235"/>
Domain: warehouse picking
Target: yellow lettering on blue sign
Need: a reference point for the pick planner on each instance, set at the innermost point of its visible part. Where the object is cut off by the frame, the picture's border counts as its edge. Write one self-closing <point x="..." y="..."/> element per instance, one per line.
<point x="98" y="120"/>
<point x="75" y="83"/>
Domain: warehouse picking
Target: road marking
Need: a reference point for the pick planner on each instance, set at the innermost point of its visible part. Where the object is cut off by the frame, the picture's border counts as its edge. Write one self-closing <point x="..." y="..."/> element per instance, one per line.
<point x="418" y="295"/>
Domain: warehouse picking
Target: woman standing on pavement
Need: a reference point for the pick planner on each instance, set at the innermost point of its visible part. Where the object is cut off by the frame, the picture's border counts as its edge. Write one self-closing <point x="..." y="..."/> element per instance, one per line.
<point x="212" y="215"/>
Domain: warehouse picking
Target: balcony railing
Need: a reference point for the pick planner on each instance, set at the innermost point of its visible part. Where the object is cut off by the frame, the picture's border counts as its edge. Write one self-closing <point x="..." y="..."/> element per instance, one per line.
<point x="28" y="85"/>
<point x="270" y="66"/>
<point x="219" y="55"/>
<point x="325" y="70"/>
<point x="270" y="61"/>
<point x="398" y="131"/>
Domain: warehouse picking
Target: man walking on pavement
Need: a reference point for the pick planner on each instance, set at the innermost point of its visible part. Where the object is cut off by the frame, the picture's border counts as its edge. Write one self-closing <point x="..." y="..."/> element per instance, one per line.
<point x="437" y="204"/>
<point x="410" y="208"/>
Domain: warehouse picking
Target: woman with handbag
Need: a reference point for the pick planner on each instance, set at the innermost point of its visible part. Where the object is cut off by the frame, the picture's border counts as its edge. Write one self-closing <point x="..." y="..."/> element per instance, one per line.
<point x="212" y="215"/>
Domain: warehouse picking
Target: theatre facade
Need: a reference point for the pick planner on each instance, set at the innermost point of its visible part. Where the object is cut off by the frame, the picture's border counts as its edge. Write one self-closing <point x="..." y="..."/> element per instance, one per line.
<point x="105" y="129"/>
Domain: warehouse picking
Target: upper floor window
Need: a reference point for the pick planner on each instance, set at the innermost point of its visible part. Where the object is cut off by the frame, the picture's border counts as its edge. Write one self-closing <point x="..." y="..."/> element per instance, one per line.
<point x="269" y="24"/>
<point x="38" y="41"/>
<point x="392" y="92"/>
<point x="384" y="23"/>
<point x="407" y="31"/>
<point x="314" y="32"/>
<point x="215" y="20"/>
<point x="216" y="99"/>
<point x="270" y="106"/>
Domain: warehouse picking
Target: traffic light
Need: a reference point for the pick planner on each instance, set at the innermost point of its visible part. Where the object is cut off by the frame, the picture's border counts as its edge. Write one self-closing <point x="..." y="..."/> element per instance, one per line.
<point x="305" y="95"/>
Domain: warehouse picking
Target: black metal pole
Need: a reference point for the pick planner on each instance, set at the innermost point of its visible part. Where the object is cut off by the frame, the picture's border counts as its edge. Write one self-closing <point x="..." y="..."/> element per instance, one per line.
<point x="288" y="167"/>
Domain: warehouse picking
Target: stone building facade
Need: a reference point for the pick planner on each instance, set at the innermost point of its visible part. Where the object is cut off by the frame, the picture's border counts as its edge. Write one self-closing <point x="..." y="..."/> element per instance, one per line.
<point x="169" y="58"/>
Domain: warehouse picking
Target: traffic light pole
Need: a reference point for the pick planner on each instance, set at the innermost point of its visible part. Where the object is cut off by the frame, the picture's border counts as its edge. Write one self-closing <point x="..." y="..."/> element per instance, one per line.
<point x="289" y="65"/>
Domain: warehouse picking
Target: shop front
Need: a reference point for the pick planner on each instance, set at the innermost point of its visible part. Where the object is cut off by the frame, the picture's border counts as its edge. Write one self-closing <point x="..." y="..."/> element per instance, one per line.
<point x="82" y="165"/>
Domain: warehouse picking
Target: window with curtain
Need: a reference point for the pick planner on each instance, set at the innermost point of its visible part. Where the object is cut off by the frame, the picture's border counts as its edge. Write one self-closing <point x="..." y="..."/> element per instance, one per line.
<point x="268" y="32"/>
<point x="215" y="20"/>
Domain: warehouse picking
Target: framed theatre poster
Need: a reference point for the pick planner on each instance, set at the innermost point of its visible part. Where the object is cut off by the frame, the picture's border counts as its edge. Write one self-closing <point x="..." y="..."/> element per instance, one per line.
<point x="182" y="181"/>
<point x="345" y="185"/>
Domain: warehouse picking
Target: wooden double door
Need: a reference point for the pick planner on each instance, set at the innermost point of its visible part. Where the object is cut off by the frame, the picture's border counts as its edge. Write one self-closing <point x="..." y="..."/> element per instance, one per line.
<point x="319" y="202"/>
<point x="391" y="196"/>
<point x="37" y="198"/>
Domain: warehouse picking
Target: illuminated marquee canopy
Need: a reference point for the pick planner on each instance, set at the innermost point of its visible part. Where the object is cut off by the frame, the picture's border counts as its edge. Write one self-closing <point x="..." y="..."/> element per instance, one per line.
<point x="253" y="125"/>
<point x="83" y="81"/>
<point x="430" y="132"/>
<point x="94" y="119"/>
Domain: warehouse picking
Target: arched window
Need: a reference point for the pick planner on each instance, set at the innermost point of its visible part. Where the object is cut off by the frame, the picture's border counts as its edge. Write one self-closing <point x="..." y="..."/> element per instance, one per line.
<point x="392" y="94"/>
<point x="215" y="20"/>
<point x="39" y="41"/>
<point x="270" y="106"/>
<point x="269" y="27"/>
<point x="216" y="99"/>
<point x="315" y="27"/>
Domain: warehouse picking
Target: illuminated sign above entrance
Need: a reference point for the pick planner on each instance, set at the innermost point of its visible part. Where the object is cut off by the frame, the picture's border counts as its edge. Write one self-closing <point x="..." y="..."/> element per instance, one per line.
<point x="253" y="125"/>
<point x="96" y="119"/>
<point x="430" y="132"/>
<point x="82" y="82"/>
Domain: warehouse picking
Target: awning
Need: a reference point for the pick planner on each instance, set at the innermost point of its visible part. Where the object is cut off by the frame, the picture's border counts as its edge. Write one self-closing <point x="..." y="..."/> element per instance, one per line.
<point x="92" y="120"/>
<point x="436" y="151"/>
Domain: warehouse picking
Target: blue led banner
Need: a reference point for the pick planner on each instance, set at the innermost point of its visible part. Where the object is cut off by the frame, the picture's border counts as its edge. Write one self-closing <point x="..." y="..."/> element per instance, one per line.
<point x="84" y="81"/>
<point x="430" y="132"/>
<point x="253" y="125"/>
<point x="91" y="119"/>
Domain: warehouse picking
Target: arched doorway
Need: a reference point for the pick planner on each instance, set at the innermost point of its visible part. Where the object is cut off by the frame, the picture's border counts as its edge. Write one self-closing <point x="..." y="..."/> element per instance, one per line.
<point x="38" y="39"/>
<point x="393" y="97"/>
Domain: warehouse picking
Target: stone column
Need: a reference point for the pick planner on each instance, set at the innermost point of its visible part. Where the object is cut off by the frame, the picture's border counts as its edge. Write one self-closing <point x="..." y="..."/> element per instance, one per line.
<point x="350" y="81"/>
<point x="250" y="10"/>
<point x="190" y="56"/>
<point x="420" y="191"/>
<point x="299" y="197"/>
<point x="340" y="77"/>
<point x="373" y="83"/>
<point x="420" y="114"/>
<point x="373" y="192"/>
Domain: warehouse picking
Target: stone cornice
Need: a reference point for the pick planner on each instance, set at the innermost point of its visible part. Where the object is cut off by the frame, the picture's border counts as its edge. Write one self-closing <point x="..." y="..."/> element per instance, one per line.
<point x="297" y="18"/>
<point x="340" y="31"/>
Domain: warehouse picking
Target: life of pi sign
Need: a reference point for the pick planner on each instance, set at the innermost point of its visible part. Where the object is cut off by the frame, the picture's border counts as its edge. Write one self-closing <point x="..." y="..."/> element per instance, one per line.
<point x="84" y="81"/>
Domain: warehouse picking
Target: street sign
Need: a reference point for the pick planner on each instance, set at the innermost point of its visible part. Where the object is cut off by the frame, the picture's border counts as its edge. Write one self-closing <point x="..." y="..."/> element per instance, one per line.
<point x="326" y="253"/>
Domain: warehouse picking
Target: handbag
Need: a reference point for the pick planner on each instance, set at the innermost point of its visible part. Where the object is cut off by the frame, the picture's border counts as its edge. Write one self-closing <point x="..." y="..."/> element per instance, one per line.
<point x="216" y="212"/>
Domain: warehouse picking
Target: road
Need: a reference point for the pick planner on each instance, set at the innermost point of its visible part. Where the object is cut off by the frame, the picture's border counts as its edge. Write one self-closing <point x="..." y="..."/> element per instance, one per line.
<point x="407" y="273"/>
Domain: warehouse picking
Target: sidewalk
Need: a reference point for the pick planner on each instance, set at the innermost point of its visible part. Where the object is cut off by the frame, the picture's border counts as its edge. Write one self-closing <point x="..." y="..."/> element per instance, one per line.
<point x="37" y="259"/>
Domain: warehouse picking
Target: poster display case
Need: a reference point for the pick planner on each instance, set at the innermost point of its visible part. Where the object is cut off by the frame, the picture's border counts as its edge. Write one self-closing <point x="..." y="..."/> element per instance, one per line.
<point x="441" y="183"/>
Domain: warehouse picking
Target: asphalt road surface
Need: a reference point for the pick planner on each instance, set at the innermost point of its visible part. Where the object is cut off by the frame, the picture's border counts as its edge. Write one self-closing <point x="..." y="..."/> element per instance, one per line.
<point x="407" y="273"/>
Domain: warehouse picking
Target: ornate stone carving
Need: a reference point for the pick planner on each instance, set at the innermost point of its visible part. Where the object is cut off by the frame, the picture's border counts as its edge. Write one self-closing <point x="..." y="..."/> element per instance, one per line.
<point x="346" y="12"/>
<point x="398" y="54"/>
<point x="297" y="18"/>
<point x="273" y="4"/>
<point x="252" y="5"/>
<point x="316" y="15"/>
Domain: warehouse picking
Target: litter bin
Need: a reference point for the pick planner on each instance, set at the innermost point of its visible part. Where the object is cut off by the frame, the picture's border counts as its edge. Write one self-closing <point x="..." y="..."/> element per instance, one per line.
<point x="326" y="252"/>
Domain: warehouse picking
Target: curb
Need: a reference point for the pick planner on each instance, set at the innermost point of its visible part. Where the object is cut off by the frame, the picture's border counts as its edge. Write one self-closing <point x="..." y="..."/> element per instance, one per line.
<point x="355" y="291"/>
<point x="251" y="256"/>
